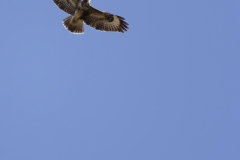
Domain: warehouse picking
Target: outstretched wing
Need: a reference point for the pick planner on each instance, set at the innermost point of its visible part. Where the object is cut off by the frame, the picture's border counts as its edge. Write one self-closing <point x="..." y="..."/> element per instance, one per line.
<point x="105" y="21"/>
<point x="68" y="6"/>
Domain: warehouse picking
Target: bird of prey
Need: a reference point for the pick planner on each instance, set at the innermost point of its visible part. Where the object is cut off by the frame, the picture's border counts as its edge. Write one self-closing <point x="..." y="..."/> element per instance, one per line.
<point x="80" y="11"/>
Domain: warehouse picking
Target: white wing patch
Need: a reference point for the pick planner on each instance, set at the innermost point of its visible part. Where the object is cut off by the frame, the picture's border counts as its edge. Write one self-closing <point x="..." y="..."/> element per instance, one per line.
<point x="115" y="22"/>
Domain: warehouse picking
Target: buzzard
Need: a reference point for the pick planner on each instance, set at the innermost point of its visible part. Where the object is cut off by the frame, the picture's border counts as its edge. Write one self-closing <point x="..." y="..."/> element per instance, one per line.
<point x="80" y="11"/>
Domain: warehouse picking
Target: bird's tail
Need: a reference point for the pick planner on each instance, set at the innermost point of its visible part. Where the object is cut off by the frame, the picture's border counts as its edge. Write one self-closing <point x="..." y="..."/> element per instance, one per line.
<point x="73" y="25"/>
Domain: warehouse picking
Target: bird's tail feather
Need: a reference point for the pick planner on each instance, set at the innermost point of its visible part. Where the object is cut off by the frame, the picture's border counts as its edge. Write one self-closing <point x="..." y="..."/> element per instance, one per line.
<point x="73" y="25"/>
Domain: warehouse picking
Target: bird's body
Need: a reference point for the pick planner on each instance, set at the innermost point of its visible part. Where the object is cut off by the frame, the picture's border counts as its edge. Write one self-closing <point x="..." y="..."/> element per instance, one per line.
<point x="81" y="11"/>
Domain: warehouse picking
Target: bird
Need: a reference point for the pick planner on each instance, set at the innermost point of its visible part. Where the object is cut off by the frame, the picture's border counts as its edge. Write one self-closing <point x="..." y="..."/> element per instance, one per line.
<point x="81" y="11"/>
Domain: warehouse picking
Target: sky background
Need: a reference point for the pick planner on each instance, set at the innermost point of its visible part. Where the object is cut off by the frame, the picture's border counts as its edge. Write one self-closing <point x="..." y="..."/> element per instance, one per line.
<point x="168" y="89"/>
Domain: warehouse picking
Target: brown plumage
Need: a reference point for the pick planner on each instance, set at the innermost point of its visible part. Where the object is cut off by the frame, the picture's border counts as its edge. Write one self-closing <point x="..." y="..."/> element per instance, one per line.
<point x="81" y="11"/>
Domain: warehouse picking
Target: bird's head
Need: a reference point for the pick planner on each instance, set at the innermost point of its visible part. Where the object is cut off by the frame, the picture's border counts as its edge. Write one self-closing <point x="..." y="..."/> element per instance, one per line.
<point x="85" y="4"/>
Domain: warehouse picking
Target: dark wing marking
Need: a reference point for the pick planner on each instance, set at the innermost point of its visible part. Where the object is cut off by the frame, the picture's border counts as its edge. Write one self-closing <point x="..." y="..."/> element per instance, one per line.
<point x="69" y="6"/>
<point x="105" y="21"/>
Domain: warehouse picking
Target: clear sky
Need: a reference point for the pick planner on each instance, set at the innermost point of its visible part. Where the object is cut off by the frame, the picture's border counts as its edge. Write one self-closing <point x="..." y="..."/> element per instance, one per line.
<point x="168" y="89"/>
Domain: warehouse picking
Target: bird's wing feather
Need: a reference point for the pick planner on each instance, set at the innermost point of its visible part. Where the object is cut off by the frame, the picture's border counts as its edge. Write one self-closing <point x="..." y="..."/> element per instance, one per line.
<point x="68" y="6"/>
<point x="105" y="21"/>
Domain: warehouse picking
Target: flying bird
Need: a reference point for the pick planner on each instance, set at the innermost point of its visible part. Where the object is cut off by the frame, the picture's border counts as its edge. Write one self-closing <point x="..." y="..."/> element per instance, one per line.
<point x="81" y="12"/>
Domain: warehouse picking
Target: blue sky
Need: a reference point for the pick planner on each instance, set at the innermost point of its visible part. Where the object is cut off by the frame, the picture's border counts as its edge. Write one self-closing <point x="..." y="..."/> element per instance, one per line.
<point x="167" y="89"/>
